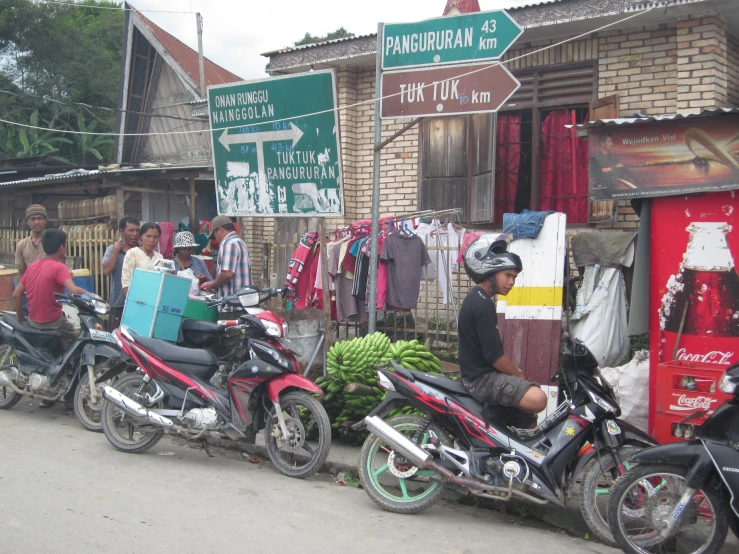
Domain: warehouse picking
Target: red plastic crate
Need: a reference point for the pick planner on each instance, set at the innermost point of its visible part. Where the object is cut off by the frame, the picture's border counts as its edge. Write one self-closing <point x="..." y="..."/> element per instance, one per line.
<point x="681" y="389"/>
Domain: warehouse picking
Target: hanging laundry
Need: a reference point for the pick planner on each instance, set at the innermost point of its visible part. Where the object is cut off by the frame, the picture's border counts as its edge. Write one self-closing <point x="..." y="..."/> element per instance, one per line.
<point x="347" y="306"/>
<point x="298" y="280"/>
<point x="166" y="239"/>
<point x="406" y="256"/>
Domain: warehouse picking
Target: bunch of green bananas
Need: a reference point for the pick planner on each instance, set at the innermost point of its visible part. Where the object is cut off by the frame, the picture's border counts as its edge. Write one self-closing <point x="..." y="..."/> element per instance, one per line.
<point x="347" y="358"/>
<point x="413" y="355"/>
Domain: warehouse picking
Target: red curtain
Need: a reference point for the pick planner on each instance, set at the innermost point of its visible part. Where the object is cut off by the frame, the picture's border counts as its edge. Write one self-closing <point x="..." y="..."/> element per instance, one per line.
<point x="564" y="177"/>
<point x="507" y="163"/>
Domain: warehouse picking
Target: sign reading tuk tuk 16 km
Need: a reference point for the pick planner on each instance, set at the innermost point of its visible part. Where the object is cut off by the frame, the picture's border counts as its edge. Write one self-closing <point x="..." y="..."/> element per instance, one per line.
<point x="444" y="40"/>
<point x="275" y="146"/>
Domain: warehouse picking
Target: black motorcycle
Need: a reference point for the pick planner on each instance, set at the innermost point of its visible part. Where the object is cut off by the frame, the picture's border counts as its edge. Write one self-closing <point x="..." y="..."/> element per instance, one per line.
<point x="683" y="497"/>
<point x="34" y="363"/>
<point x="406" y="460"/>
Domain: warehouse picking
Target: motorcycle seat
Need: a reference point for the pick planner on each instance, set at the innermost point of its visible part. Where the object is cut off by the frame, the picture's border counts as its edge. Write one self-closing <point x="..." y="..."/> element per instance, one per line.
<point x="194" y="362"/>
<point x="438" y="381"/>
<point x="26" y="329"/>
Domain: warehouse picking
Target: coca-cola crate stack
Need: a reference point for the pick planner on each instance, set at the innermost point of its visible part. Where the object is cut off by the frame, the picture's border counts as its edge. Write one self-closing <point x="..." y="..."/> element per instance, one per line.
<point x="683" y="388"/>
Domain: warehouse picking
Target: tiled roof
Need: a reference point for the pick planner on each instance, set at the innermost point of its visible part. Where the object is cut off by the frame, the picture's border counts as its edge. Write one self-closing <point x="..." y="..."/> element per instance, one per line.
<point x="649" y="118"/>
<point x="188" y="58"/>
<point x="464" y="6"/>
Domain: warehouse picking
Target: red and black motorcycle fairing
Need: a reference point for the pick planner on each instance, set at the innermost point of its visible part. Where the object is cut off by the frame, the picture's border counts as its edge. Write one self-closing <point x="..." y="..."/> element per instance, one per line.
<point x="555" y="452"/>
<point x="249" y="387"/>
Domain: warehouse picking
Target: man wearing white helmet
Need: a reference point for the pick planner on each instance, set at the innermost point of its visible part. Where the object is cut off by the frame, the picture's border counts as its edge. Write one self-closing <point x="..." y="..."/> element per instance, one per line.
<point x="487" y="373"/>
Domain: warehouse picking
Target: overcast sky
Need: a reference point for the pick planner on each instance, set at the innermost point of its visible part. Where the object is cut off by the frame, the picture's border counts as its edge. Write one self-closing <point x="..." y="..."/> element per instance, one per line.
<point x="236" y="32"/>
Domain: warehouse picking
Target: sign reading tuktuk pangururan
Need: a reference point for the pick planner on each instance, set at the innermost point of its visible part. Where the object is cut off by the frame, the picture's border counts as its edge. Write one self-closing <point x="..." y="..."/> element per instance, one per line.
<point x="663" y="158"/>
<point x="444" y="40"/>
<point x="276" y="146"/>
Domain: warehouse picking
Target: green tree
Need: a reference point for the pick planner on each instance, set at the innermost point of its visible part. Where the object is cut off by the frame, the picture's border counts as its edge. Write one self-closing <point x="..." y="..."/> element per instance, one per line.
<point x="338" y="33"/>
<point x="34" y="142"/>
<point x="62" y="54"/>
<point x="101" y="147"/>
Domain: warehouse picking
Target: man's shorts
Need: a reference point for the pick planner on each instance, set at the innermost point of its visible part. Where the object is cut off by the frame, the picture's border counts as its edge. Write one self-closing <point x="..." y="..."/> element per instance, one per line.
<point x="500" y="389"/>
<point x="64" y="329"/>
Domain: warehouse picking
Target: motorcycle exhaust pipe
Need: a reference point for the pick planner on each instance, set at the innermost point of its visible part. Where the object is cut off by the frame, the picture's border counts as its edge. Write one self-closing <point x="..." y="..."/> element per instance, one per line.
<point x="418" y="456"/>
<point x="133" y="408"/>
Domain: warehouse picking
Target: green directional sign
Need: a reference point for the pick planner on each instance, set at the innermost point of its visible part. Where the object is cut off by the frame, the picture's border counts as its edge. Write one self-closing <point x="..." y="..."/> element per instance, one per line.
<point x="276" y="146"/>
<point x="463" y="38"/>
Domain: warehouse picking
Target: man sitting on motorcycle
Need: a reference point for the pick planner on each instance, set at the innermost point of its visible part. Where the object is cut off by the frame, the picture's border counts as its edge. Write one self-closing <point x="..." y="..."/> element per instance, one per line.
<point x="40" y="281"/>
<point x="487" y="373"/>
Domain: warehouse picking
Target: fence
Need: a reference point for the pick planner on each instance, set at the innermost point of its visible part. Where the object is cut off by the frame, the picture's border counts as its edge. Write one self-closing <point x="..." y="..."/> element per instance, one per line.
<point x="86" y="245"/>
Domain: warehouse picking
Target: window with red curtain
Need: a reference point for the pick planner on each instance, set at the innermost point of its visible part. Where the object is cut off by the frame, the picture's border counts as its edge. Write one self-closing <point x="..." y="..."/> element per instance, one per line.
<point x="507" y="163"/>
<point x="564" y="166"/>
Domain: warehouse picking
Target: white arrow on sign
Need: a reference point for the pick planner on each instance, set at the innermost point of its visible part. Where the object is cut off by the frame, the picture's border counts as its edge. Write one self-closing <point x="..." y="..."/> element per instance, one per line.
<point x="293" y="133"/>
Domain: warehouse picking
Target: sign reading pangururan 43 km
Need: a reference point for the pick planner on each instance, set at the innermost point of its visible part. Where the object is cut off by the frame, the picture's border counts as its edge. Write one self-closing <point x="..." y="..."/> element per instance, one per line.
<point x="276" y="146"/>
<point x="463" y="38"/>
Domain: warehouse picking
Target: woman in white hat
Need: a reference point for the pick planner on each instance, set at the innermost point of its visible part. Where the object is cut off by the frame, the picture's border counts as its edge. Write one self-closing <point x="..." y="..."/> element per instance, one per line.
<point x="184" y="248"/>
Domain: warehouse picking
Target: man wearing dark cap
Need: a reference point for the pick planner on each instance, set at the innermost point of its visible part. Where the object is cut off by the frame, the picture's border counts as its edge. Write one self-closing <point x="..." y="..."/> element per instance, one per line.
<point x="234" y="270"/>
<point x="29" y="249"/>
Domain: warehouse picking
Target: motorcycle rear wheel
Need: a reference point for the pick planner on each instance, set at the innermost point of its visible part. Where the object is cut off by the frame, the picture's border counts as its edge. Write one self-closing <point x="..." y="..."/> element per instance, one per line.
<point x="657" y="488"/>
<point x="299" y="457"/>
<point x="120" y="429"/>
<point x="385" y="485"/>
<point x="8" y="397"/>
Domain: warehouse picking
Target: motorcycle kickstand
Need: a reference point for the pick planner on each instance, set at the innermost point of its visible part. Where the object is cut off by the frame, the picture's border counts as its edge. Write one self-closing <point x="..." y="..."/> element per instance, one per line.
<point x="206" y="447"/>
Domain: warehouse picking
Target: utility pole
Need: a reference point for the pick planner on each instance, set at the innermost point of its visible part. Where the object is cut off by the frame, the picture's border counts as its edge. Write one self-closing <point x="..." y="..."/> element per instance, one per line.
<point x="201" y="60"/>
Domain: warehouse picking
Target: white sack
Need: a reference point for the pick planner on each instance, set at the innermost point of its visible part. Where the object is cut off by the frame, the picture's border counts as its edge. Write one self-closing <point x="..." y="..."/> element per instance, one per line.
<point x="599" y="319"/>
<point x="631" y="384"/>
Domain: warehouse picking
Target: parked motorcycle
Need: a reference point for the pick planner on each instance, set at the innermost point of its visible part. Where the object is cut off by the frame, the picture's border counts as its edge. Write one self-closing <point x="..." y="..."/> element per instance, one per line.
<point x="33" y="362"/>
<point x="404" y="464"/>
<point x="260" y="334"/>
<point x="175" y="394"/>
<point x="683" y="497"/>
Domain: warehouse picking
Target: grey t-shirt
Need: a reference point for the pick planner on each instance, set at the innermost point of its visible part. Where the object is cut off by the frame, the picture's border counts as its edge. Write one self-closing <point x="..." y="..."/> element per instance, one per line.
<point x="405" y="257"/>
<point x="116" y="300"/>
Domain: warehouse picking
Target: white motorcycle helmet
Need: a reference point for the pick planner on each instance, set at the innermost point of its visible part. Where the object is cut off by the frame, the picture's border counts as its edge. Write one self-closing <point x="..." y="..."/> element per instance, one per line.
<point x="488" y="255"/>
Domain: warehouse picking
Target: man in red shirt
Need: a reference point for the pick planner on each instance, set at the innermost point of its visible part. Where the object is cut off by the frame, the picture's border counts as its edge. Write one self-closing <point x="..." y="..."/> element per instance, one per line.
<point x="40" y="281"/>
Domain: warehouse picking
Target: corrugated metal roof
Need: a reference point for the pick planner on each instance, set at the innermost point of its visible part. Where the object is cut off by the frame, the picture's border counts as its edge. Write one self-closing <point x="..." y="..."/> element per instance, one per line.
<point x="188" y="58"/>
<point x="648" y="118"/>
<point x="84" y="175"/>
<point x="314" y="44"/>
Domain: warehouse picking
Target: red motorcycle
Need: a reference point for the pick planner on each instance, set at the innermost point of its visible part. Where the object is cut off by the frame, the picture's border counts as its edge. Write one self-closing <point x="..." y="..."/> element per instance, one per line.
<point x="175" y="394"/>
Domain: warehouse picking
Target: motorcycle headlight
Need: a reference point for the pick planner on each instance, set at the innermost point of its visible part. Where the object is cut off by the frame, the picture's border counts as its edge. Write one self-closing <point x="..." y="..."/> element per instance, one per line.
<point x="273" y="330"/>
<point x="100" y="307"/>
<point x="726" y="385"/>
<point x="249" y="300"/>
<point x="607" y="406"/>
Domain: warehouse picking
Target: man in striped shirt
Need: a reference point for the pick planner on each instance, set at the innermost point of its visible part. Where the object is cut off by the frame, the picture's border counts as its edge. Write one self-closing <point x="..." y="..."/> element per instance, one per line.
<point x="234" y="270"/>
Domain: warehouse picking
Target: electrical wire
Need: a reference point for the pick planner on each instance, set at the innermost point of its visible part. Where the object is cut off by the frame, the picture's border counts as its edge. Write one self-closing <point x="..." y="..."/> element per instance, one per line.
<point x="340" y="108"/>
<point x="119" y="8"/>
<point x="91" y="107"/>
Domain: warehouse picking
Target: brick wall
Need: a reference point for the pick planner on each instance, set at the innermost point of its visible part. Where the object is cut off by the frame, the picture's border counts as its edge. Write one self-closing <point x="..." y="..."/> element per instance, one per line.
<point x="732" y="47"/>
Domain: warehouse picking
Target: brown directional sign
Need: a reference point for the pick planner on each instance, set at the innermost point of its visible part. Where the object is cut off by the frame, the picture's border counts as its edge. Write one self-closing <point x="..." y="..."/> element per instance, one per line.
<point x="447" y="90"/>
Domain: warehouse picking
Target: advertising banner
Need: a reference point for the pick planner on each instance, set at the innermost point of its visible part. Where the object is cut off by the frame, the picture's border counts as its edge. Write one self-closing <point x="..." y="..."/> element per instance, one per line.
<point x="664" y="158"/>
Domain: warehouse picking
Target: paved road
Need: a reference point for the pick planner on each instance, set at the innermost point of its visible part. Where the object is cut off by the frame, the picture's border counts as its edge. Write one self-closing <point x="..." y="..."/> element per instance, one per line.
<point x="63" y="489"/>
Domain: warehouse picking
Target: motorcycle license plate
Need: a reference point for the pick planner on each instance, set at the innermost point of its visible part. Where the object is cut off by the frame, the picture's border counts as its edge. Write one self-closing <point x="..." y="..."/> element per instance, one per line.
<point x="102" y="335"/>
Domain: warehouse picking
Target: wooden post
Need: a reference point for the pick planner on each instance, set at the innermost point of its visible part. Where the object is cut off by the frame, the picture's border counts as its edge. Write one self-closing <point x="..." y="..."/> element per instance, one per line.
<point x="193" y="211"/>
<point x="326" y="287"/>
<point x="120" y="203"/>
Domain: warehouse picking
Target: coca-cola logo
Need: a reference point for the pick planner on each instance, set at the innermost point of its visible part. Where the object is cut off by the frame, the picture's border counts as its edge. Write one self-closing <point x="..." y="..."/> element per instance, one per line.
<point x="713" y="357"/>
<point x="686" y="403"/>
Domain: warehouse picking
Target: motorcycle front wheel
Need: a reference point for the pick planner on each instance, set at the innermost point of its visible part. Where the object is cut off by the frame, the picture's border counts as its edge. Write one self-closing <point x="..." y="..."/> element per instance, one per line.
<point x="645" y="497"/>
<point x="306" y="449"/>
<point x="123" y="431"/>
<point x="86" y="411"/>
<point x="392" y="482"/>
<point x="8" y="396"/>
<point x="599" y="475"/>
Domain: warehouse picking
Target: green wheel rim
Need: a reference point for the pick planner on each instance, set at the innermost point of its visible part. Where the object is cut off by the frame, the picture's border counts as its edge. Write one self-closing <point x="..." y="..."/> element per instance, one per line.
<point x="374" y="474"/>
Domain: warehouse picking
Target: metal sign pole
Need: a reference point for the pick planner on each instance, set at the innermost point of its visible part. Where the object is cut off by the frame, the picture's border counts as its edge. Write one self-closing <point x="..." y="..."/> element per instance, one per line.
<point x="374" y="254"/>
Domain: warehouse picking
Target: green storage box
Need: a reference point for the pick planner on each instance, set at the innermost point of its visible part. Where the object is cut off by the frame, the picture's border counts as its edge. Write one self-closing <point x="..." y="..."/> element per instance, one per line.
<point x="198" y="309"/>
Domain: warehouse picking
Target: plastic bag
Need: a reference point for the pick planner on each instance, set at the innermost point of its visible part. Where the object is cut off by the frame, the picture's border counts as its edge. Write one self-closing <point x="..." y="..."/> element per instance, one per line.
<point x="599" y="319"/>
<point x="188" y="274"/>
<point x="631" y="385"/>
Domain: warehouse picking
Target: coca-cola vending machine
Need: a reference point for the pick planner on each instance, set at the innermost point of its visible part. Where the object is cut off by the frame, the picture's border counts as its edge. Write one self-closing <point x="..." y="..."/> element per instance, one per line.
<point x="694" y="312"/>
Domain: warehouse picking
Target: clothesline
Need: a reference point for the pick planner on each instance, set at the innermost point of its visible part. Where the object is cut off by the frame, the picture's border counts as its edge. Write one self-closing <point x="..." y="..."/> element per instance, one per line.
<point x="366" y="223"/>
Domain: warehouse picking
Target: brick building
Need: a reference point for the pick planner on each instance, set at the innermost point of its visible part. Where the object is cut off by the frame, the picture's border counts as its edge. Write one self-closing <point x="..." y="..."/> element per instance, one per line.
<point x="658" y="58"/>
